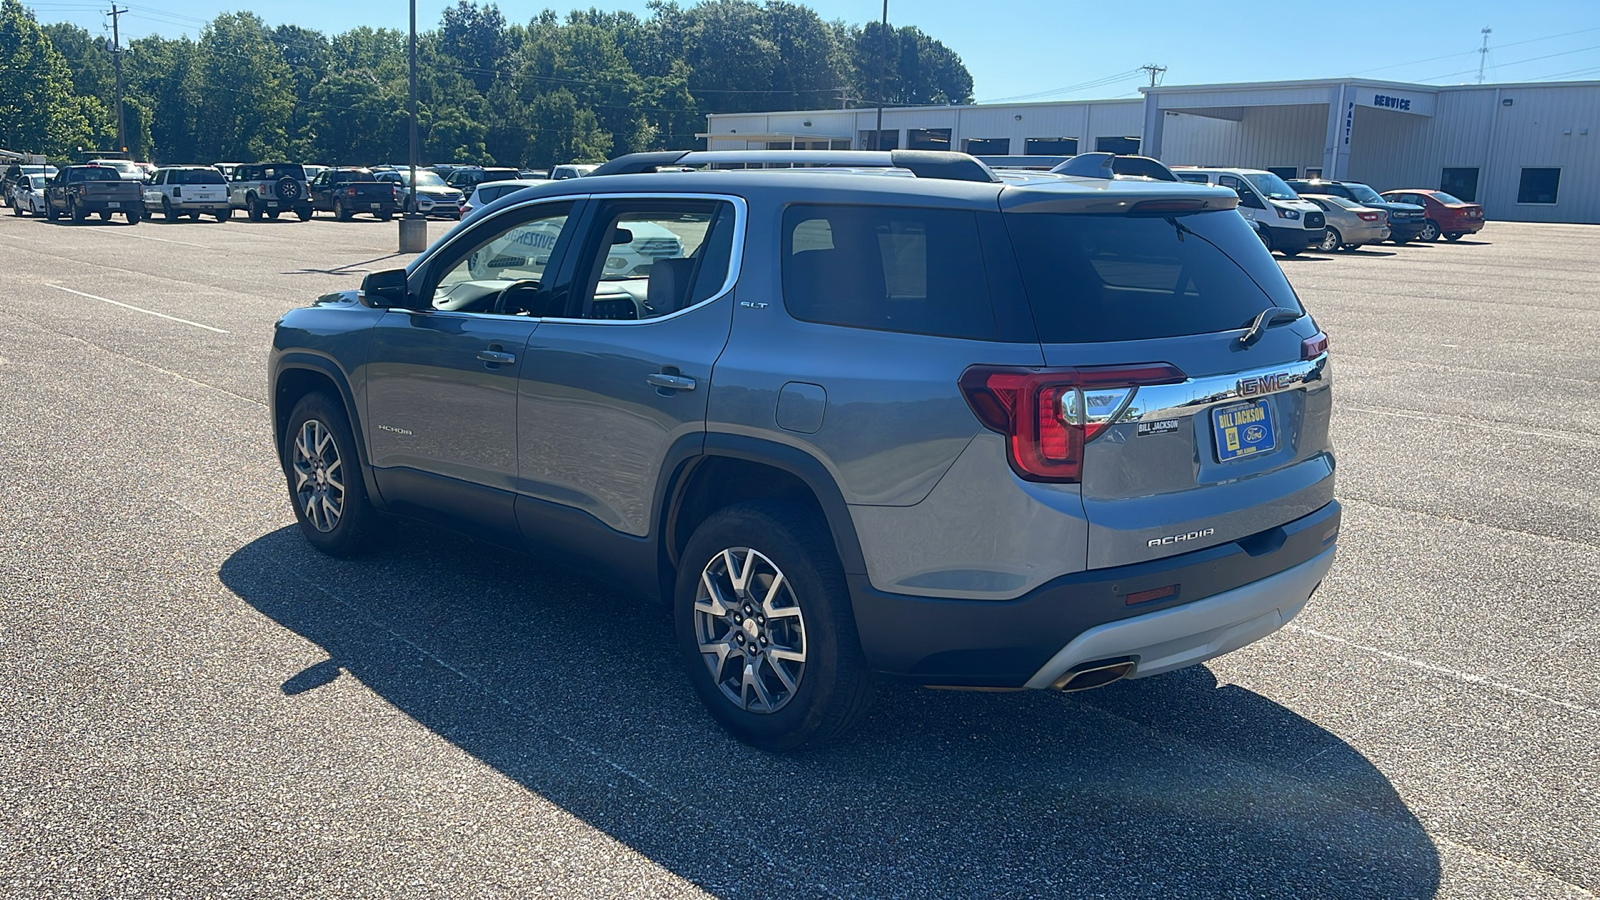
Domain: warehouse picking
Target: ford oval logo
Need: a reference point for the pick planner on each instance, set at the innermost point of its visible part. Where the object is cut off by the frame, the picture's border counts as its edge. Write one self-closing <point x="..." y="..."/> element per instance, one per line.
<point x="1254" y="434"/>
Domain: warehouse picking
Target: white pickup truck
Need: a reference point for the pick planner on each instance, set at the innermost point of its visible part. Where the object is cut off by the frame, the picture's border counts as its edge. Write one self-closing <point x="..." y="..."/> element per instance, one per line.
<point x="176" y="190"/>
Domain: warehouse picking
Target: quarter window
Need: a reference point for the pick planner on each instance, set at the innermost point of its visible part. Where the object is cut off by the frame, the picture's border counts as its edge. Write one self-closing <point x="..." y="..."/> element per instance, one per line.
<point x="1539" y="186"/>
<point x="917" y="271"/>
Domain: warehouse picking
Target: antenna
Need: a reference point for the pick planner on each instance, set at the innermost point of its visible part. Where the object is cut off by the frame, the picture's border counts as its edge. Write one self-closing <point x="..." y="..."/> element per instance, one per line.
<point x="1154" y="70"/>
<point x="1483" y="53"/>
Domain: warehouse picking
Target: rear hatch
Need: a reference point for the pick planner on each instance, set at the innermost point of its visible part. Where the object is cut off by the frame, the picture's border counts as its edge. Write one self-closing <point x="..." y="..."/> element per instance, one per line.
<point x="198" y="186"/>
<point x="1192" y="435"/>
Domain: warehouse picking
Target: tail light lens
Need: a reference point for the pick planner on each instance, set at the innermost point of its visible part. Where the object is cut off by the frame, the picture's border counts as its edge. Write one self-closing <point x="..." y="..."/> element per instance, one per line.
<point x="1048" y="415"/>
<point x="1370" y="216"/>
<point x="1314" y="346"/>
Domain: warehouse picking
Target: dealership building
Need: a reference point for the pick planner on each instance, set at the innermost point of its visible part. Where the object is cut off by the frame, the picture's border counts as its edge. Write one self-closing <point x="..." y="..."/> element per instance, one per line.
<point x="1527" y="152"/>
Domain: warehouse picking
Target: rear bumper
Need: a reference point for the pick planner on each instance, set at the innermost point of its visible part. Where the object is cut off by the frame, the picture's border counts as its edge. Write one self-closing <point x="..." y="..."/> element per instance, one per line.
<point x="1015" y="643"/>
<point x="1461" y="226"/>
<point x="1296" y="237"/>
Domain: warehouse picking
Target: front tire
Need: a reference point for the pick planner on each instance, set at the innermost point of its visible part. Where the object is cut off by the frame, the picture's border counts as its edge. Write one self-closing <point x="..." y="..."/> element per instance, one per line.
<point x="324" y="478"/>
<point x="1331" y="241"/>
<point x="1430" y="232"/>
<point x="766" y="630"/>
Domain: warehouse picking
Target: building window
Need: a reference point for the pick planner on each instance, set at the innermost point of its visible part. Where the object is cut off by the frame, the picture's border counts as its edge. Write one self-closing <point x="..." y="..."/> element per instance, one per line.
<point x="1538" y="186"/>
<point x="1462" y="183"/>
<point x="1285" y="172"/>
<point x="1123" y="146"/>
<point x="987" y="146"/>
<point x="1313" y="172"/>
<point x="1059" y="146"/>
<point x="891" y="140"/>
<point x="928" y="139"/>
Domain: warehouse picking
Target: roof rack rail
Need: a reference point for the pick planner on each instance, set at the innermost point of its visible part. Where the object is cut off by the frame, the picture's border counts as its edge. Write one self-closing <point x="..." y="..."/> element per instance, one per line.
<point x="1109" y="165"/>
<point x="939" y="164"/>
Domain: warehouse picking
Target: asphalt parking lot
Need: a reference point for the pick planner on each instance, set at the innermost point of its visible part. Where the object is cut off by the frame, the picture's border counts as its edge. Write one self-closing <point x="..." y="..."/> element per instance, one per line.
<point x="195" y="704"/>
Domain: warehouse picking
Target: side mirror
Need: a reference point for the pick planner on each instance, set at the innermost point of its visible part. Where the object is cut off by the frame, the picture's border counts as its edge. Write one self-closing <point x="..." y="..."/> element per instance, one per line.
<point x="385" y="290"/>
<point x="621" y="236"/>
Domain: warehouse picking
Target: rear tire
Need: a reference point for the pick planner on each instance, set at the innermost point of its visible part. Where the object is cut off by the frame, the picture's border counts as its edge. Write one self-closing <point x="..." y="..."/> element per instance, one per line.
<point x="385" y="216"/>
<point x="105" y="215"/>
<point x="50" y="214"/>
<point x="305" y="213"/>
<point x="324" y="478"/>
<point x="167" y="211"/>
<point x="224" y="215"/>
<point x="133" y="216"/>
<point x="1454" y="236"/>
<point x="272" y="215"/>
<point x="252" y="208"/>
<point x="194" y="215"/>
<point x="339" y="212"/>
<point x="773" y="651"/>
<point x="1331" y="241"/>
<point x="77" y="213"/>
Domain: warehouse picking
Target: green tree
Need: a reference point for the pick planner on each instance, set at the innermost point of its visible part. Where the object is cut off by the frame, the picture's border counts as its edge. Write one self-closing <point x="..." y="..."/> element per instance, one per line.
<point x="241" y="91"/>
<point x="154" y="71"/>
<point x="38" y="110"/>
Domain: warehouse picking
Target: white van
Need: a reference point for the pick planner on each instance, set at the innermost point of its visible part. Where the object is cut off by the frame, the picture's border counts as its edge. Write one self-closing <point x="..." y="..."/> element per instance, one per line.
<point x="1287" y="223"/>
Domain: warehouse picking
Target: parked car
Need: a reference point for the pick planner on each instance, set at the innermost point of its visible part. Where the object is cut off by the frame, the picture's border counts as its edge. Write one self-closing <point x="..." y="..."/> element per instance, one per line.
<point x="1406" y="221"/>
<point x="27" y="195"/>
<point x="349" y="192"/>
<point x="489" y="191"/>
<point x="126" y="170"/>
<point x="226" y="168"/>
<point x="15" y="173"/>
<point x="267" y="189"/>
<point x="1287" y="223"/>
<point x="572" y="170"/>
<point x="466" y="178"/>
<point x="433" y="196"/>
<point x="534" y="174"/>
<point x="1447" y="215"/>
<point x="312" y="171"/>
<point x="176" y="191"/>
<point x="78" y="192"/>
<point x="959" y="429"/>
<point x="1349" y="223"/>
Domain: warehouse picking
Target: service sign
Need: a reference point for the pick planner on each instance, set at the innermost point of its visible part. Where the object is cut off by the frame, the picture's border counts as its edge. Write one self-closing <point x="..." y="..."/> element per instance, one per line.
<point x="1394" y="100"/>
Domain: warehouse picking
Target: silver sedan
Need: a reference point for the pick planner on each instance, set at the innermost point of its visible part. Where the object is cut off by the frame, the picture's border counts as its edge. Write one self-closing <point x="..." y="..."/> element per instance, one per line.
<point x="1349" y="223"/>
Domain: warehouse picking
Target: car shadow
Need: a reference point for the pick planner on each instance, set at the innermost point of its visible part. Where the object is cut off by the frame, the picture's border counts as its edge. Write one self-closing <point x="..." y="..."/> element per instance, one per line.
<point x="1302" y="257"/>
<point x="1171" y="786"/>
<point x="348" y="268"/>
<point x="1363" y="251"/>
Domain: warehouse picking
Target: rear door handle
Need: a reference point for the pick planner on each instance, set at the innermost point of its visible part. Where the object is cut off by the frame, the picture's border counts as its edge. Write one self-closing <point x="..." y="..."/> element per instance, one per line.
<point x="495" y="356"/>
<point x="669" y="382"/>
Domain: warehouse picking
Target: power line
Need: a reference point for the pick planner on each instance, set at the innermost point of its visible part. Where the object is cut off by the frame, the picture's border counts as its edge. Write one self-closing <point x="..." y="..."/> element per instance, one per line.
<point x="1071" y="88"/>
<point x="1518" y="62"/>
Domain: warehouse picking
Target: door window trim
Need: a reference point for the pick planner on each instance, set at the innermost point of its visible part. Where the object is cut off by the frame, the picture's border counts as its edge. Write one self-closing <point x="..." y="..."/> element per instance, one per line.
<point x="735" y="258"/>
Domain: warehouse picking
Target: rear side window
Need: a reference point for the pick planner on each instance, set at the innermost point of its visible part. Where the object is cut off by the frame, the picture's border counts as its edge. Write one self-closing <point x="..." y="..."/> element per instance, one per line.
<point x="918" y="271"/>
<point x="1125" y="278"/>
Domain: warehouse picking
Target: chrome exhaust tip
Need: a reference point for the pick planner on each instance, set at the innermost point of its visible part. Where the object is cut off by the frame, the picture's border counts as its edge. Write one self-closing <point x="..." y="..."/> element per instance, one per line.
<point x="1095" y="674"/>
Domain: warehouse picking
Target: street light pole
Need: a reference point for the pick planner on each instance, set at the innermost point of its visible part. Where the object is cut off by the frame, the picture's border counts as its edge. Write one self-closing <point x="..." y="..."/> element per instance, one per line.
<point x="883" y="65"/>
<point x="413" y="227"/>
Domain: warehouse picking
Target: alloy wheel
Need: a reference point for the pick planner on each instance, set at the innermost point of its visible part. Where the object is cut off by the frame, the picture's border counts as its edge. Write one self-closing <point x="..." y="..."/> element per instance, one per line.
<point x="750" y="630"/>
<point x="318" y="476"/>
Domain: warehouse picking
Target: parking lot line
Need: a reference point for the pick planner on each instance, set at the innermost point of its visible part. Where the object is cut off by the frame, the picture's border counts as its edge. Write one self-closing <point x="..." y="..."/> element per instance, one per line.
<point x="148" y="312"/>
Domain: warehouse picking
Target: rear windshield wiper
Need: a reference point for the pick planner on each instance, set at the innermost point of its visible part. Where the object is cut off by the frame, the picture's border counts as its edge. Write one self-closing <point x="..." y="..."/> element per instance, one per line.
<point x="1272" y="315"/>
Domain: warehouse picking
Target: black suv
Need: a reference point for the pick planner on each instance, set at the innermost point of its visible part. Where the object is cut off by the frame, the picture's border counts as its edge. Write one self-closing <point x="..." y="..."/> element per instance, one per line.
<point x="962" y="429"/>
<point x="1406" y="220"/>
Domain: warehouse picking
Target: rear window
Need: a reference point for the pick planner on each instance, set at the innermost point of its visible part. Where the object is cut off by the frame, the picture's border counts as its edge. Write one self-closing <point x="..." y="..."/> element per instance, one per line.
<point x="195" y="176"/>
<point x="1126" y="278"/>
<point x="95" y="174"/>
<point x="918" y="271"/>
<point x="345" y="176"/>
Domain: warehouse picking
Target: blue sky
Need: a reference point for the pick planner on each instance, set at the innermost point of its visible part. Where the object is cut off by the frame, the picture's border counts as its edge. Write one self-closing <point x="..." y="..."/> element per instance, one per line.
<point x="1090" y="50"/>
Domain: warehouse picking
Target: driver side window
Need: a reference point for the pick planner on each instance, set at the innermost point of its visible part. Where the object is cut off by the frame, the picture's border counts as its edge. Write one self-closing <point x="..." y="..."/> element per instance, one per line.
<point x="505" y="273"/>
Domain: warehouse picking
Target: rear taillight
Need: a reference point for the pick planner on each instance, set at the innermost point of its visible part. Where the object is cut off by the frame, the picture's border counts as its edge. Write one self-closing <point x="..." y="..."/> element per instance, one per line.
<point x="1048" y="415"/>
<point x="1370" y="216"/>
<point x="1314" y="346"/>
<point x="350" y="191"/>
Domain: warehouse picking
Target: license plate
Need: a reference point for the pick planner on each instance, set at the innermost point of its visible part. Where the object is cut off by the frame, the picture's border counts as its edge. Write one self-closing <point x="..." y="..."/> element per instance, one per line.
<point x="1243" y="430"/>
<point x="376" y="205"/>
<point x="115" y="204"/>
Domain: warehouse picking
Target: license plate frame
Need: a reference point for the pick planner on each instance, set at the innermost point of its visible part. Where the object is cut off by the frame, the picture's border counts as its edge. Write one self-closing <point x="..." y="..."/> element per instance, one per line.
<point x="1244" y="430"/>
<point x="113" y="204"/>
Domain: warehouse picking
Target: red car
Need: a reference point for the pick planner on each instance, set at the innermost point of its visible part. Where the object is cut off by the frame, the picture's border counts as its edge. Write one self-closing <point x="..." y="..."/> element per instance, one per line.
<point x="1447" y="215"/>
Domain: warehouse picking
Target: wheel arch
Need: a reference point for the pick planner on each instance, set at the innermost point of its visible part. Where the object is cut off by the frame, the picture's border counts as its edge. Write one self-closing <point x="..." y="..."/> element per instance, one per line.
<point x="297" y="374"/>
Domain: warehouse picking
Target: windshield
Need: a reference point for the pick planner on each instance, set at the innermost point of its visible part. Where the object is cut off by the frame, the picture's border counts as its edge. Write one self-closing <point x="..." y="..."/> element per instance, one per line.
<point x="195" y="176"/>
<point x="1442" y="197"/>
<point x="1364" y="194"/>
<point x="1272" y="186"/>
<point x="1125" y="278"/>
<point x="424" y="179"/>
<point x="37" y="182"/>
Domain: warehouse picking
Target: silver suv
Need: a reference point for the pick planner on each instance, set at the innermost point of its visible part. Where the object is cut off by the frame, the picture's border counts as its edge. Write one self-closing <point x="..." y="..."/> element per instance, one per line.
<point x="897" y="417"/>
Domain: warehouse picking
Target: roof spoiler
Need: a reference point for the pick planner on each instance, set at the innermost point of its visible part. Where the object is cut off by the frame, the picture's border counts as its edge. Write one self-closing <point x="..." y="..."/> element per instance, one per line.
<point x="1110" y="165"/>
<point x="939" y="164"/>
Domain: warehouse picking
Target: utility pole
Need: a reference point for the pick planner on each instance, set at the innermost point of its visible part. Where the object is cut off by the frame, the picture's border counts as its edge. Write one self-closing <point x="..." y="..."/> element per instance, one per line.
<point x="1483" y="53"/>
<point x="116" y="56"/>
<point x="413" y="226"/>
<point x="1154" y="70"/>
<point x="883" y="65"/>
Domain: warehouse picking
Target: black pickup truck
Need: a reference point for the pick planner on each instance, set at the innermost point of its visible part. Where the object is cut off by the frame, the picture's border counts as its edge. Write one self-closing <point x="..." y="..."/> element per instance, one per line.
<point x="345" y="192"/>
<point x="78" y="191"/>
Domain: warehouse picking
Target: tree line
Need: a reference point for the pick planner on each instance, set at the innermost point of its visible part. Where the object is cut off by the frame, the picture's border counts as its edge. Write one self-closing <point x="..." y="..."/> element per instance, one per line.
<point x="582" y="88"/>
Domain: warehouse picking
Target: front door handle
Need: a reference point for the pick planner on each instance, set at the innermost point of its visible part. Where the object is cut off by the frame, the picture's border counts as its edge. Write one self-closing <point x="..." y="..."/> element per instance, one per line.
<point x="668" y="381"/>
<point x="496" y="356"/>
